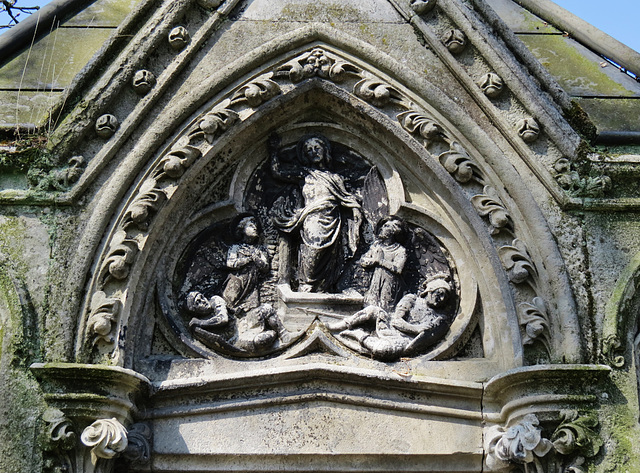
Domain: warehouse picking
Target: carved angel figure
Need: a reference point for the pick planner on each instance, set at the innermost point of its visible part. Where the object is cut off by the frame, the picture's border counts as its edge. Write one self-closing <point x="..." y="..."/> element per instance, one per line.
<point x="328" y="212"/>
<point x="415" y="325"/>
<point x="237" y="323"/>
<point x="387" y="257"/>
<point x="247" y="262"/>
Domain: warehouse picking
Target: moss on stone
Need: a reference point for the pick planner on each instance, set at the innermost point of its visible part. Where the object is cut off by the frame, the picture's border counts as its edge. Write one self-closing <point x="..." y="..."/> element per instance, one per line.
<point x="580" y="121"/>
<point x="311" y="12"/>
<point x="22" y="401"/>
<point x="570" y="66"/>
<point x="29" y="153"/>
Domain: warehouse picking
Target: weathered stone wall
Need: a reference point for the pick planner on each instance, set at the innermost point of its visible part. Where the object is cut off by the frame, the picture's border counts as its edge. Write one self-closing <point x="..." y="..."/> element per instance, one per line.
<point x="538" y="225"/>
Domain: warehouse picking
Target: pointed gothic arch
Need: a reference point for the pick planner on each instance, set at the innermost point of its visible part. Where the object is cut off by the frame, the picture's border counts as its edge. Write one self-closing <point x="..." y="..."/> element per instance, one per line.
<point x="435" y="136"/>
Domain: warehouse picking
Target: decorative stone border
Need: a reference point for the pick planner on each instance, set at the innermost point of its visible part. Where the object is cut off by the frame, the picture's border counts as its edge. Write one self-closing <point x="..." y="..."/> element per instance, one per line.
<point x="102" y="325"/>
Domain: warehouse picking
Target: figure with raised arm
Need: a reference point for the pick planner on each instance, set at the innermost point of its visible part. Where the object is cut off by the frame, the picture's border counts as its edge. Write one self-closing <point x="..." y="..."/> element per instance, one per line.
<point x="328" y="219"/>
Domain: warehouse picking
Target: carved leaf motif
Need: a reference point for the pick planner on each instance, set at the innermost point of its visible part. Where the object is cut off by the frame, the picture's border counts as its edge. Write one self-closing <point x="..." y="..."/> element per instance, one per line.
<point x="149" y="199"/>
<point x="576" y="433"/>
<point x="340" y="69"/>
<point x="417" y="123"/>
<point x="60" y="430"/>
<point x="104" y="314"/>
<point x="179" y="159"/>
<point x="422" y="6"/>
<point x="576" y="466"/>
<point x="122" y="252"/>
<point x="106" y="437"/>
<point x="318" y="63"/>
<point x="215" y="122"/>
<point x="458" y="163"/>
<point x="534" y="319"/>
<point x="257" y="92"/>
<point x="375" y="92"/>
<point x="138" y="448"/>
<point x="571" y="181"/>
<point x="522" y="443"/>
<point x="517" y="262"/>
<point x="489" y="205"/>
<point x="611" y="351"/>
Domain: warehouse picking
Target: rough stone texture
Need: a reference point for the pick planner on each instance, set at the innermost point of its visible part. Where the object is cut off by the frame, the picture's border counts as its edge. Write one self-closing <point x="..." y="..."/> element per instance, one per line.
<point x="579" y="71"/>
<point x="613" y="115"/>
<point x="96" y="230"/>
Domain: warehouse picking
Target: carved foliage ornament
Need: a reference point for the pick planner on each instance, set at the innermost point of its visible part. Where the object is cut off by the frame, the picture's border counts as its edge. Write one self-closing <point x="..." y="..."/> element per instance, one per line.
<point x="523" y="444"/>
<point x="318" y="63"/>
<point x="106" y="438"/>
<point x="491" y="207"/>
<point x="571" y="181"/>
<point x="518" y="263"/>
<point x="423" y="6"/>
<point x="535" y="323"/>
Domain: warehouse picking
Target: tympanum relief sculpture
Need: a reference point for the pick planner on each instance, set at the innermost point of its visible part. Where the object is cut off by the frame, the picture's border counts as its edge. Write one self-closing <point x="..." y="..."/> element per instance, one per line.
<point x="315" y="245"/>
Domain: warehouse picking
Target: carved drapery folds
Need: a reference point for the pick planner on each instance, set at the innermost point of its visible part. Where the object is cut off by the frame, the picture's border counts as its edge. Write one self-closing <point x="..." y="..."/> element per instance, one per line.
<point x="380" y="285"/>
<point x="293" y="219"/>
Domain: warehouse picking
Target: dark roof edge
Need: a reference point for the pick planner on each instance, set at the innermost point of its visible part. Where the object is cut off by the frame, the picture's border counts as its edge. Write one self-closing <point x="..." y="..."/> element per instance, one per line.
<point x="39" y="23"/>
<point x="585" y="33"/>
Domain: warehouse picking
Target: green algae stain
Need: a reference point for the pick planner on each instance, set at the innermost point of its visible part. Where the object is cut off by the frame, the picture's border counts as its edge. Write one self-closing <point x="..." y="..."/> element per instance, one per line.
<point x="575" y="72"/>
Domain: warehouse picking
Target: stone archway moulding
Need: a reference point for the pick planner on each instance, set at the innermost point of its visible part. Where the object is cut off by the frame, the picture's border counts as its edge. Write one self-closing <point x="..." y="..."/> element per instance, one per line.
<point x="542" y="302"/>
<point x="621" y="317"/>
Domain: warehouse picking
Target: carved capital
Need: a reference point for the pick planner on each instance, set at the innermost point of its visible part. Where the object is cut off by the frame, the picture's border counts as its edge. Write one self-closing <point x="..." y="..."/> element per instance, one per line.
<point x="138" y="450"/>
<point x="576" y="434"/>
<point x="523" y="444"/>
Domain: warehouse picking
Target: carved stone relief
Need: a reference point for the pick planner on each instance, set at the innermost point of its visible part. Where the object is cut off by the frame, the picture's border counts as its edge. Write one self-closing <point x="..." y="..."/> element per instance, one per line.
<point x="317" y="204"/>
<point x="316" y="243"/>
<point x="522" y="446"/>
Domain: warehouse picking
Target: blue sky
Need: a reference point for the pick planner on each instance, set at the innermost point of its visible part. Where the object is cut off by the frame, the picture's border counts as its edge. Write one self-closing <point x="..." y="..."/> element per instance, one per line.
<point x="618" y="18"/>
